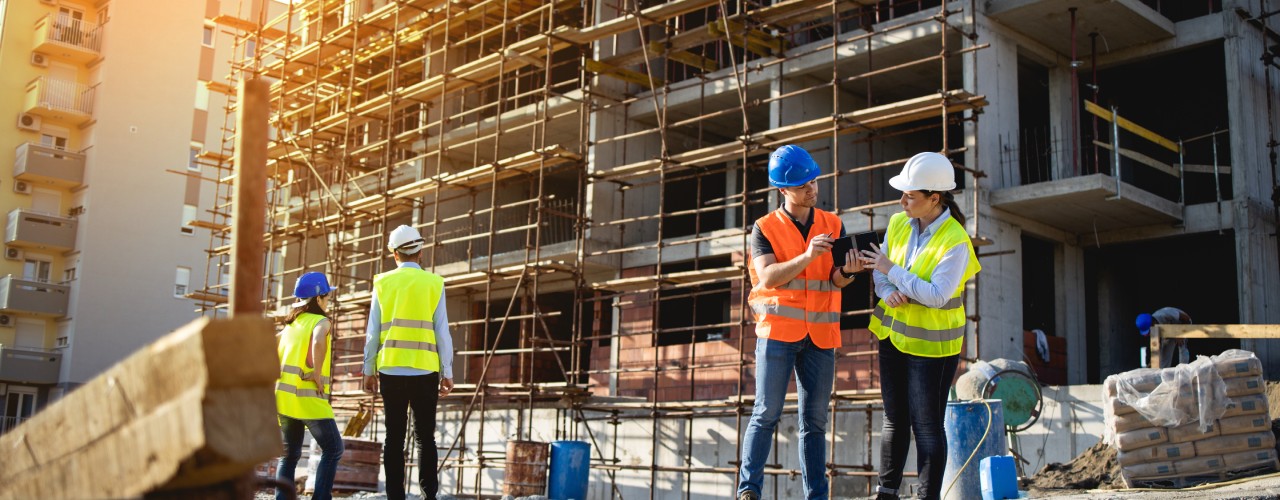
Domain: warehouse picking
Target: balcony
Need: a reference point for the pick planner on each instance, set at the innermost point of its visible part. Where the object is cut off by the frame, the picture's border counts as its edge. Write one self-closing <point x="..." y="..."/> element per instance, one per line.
<point x="60" y="100"/>
<point x="45" y="165"/>
<point x="1124" y="23"/>
<point x="31" y="297"/>
<point x="68" y="39"/>
<point x="28" y="229"/>
<point x="30" y="366"/>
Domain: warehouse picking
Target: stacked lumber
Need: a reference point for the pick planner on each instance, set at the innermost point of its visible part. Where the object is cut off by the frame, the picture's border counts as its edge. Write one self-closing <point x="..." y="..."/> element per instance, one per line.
<point x="1157" y="453"/>
<point x="195" y="408"/>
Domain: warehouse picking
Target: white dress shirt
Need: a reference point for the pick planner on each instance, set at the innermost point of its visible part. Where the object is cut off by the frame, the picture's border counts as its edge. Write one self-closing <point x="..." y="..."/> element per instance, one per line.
<point x="946" y="276"/>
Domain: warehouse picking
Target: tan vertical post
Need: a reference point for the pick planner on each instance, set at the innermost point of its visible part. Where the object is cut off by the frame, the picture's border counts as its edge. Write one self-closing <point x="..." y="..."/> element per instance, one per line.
<point x="247" y="251"/>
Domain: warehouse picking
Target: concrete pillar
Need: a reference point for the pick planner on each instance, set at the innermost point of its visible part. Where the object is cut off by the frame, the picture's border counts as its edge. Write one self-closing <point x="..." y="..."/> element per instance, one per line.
<point x="1253" y="176"/>
<point x="1069" y="264"/>
<point x="992" y="72"/>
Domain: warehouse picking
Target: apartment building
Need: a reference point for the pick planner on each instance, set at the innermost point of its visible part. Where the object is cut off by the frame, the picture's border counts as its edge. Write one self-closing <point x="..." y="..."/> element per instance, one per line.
<point x="105" y="112"/>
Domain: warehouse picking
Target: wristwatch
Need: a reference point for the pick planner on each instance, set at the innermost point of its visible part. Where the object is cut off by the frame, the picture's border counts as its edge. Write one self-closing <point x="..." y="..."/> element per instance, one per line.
<point x="847" y="275"/>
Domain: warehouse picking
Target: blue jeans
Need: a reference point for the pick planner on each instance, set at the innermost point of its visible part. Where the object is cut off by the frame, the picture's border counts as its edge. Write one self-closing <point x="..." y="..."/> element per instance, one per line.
<point x="815" y="371"/>
<point x="914" y="389"/>
<point x="325" y="432"/>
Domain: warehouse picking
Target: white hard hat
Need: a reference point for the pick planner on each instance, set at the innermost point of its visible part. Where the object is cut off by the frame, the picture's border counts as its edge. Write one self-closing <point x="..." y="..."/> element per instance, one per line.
<point x="405" y="239"/>
<point x="926" y="172"/>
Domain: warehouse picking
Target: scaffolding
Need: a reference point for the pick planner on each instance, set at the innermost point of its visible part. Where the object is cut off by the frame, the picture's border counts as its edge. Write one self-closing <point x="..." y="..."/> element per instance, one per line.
<point x="586" y="174"/>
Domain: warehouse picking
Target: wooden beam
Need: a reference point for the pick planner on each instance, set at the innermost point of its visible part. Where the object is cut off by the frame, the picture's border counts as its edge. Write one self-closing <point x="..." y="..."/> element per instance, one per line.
<point x="195" y="407"/>
<point x="1126" y="124"/>
<point x="683" y="57"/>
<point x="1143" y="159"/>
<point x="1217" y="331"/>
<point x="1160" y="332"/>
<point x="623" y="74"/>
<point x="249" y="204"/>
<point x="249" y="27"/>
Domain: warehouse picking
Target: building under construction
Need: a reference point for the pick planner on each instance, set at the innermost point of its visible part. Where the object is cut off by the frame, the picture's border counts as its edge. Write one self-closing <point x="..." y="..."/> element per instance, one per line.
<point x="586" y="174"/>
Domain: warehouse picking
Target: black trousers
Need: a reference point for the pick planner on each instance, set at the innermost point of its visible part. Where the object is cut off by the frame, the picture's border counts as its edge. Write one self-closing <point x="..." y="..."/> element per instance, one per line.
<point x="399" y="393"/>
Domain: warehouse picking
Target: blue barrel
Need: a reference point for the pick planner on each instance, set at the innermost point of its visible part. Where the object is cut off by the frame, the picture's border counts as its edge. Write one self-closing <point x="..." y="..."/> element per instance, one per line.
<point x="965" y="423"/>
<point x="570" y="465"/>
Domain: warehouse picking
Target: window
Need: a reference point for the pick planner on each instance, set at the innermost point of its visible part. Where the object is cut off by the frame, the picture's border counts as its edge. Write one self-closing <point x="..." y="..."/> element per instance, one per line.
<point x="69" y="275"/>
<point x="181" y="282"/>
<point x="103" y="15"/>
<point x="250" y="47"/>
<point x="62" y="342"/>
<point x="19" y="405"/>
<point x="188" y="215"/>
<point x="207" y="39"/>
<point x="35" y="270"/>
<point x="53" y="141"/>
<point x="202" y="96"/>
<point x="193" y="161"/>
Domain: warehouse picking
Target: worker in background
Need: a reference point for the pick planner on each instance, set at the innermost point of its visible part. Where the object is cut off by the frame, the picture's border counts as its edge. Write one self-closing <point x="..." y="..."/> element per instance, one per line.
<point x="920" y="271"/>
<point x="1172" y="351"/>
<point x="795" y="298"/>
<point x="306" y="351"/>
<point x="408" y="358"/>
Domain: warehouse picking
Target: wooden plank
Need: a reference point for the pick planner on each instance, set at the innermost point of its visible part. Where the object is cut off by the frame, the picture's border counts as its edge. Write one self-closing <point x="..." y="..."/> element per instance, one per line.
<point x="1129" y="125"/>
<point x="195" y="407"/>
<point x="1143" y="159"/>
<point x="1218" y="331"/>
<point x="625" y="75"/>
<point x="249" y="27"/>
<point x="1205" y="169"/>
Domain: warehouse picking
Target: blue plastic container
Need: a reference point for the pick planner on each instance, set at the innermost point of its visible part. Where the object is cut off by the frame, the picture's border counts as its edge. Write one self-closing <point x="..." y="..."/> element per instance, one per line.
<point x="965" y="423"/>
<point x="999" y="478"/>
<point x="570" y="467"/>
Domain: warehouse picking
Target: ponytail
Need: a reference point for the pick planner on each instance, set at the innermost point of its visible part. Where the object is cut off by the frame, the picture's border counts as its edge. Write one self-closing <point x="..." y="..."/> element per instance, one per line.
<point x="949" y="201"/>
<point x="311" y="306"/>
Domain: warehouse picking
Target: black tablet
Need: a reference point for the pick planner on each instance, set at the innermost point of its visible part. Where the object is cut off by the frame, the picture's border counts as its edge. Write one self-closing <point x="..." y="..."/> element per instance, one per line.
<point x="865" y="240"/>
<point x="839" y="248"/>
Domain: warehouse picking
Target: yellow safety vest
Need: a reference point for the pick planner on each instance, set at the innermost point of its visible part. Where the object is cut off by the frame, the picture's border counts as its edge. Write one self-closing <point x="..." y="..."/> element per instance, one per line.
<point x="408" y="298"/>
<point x="296" y="396"/>
<point x="913" y="327"/>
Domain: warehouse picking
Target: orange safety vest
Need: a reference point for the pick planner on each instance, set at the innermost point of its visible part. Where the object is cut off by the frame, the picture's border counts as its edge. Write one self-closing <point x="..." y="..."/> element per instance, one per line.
<point x="809" y="304"/>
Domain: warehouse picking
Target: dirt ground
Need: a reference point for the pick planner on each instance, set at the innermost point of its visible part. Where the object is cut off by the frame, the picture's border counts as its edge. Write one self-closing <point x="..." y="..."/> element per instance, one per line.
<point x="1096" y="468"/>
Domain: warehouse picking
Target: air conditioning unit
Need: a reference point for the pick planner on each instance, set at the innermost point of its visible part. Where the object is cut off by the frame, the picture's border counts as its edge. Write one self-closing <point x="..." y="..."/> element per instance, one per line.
<point x="28" y="121"/>
<point x="6" y="320"/>
<point x="13" y="253"/>
<point x="38" y="59"/>
<point x="22" y="187"/>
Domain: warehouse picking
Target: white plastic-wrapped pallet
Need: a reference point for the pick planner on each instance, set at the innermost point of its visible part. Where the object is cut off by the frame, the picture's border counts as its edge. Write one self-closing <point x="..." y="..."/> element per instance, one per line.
<point x="1201" y="421"/>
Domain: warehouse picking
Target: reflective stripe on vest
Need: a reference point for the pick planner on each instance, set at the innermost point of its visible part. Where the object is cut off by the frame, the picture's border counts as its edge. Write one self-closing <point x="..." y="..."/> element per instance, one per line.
<point x="796" y="313"/>
<point x="807" y="305"/>
<point x="408" y="298"/>
<point x="913" y="327"/>
<point x="296" y="394"/>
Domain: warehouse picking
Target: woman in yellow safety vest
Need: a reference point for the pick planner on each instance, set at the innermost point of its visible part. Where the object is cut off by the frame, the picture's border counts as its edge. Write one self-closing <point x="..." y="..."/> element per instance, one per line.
<point x="301" y="393"/>
<point x="920" y="271"/>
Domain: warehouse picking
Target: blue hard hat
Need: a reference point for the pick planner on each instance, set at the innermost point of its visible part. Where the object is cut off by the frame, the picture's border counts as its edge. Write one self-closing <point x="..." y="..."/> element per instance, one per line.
<point x="310" y="285"/>
<point x="1144" y="323"/>
<point x="791" y="166"/>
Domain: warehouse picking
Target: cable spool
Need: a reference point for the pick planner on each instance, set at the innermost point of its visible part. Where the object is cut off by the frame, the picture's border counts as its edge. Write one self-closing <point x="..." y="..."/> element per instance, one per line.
<point x="1010" y="381"/>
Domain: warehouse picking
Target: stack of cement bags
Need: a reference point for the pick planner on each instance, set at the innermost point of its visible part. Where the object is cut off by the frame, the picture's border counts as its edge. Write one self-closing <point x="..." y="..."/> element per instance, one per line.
<point x="1198" y="422"/>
